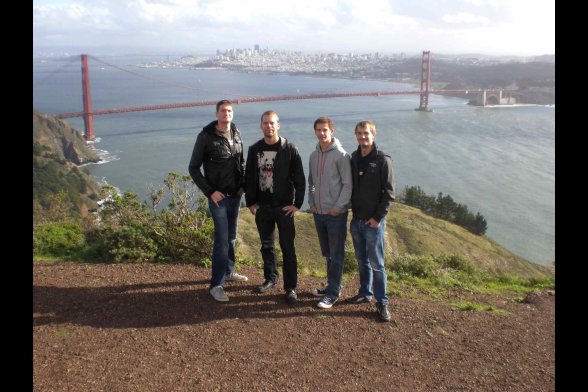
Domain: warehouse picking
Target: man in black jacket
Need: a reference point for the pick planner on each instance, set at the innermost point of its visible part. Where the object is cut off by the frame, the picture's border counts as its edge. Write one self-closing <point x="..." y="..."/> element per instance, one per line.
<point x="220" y="150"/>
<point x="374" y="189"/>
<point x="275" y="191"/>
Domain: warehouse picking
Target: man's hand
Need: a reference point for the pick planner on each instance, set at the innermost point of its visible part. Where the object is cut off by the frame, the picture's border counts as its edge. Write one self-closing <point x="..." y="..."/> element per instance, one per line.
<point x="334" y="213"/>
<point x="253" y="208"/>
<point x="216" y="197"/>
<point x="373" y="223"/>
<point x="290" y="210"/>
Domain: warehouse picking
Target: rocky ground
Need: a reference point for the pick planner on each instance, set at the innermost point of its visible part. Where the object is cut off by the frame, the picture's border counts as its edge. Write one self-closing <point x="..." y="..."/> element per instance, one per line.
<point x="148" y="327"/>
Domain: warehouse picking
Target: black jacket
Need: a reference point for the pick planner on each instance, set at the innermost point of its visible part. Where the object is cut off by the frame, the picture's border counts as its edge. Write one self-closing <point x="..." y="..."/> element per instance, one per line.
<point x="374" y="191"/>
<point x="289" y="181"/>
<point x="224" y="166"/>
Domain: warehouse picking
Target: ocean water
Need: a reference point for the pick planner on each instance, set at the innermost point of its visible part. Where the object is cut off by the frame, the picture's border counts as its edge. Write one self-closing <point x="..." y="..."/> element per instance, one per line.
<point x="499" y="161"/>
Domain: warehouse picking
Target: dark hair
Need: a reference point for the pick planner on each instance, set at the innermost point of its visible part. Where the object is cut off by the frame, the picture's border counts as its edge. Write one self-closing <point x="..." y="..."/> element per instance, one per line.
<point x="269" y="113"/>
<point x="223" y="102"/>
<point x="367" y="124"/>
<point x="324" y="120"/>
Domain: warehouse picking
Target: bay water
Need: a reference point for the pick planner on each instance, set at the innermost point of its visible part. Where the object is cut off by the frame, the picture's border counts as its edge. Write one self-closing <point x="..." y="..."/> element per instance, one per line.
<point x="499" y="161"/>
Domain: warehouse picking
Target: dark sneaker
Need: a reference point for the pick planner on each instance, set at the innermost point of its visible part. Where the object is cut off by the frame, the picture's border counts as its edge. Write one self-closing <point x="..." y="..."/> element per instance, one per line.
<point x="319" y="291"/>
<point x="265" y="286"/>
<point x="326" y="302"/>
<point x="291" y="297"/>
<point x="383" y="311"/>
<point x="358" y="299"/>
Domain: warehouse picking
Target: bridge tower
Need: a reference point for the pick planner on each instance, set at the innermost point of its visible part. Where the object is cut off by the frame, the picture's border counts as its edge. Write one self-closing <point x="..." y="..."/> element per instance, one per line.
<point x="87" y="99"/>
<point x="425" y="81"/>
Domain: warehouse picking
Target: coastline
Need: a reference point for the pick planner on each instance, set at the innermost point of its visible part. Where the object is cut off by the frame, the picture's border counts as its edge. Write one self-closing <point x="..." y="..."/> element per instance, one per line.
<point x="525" y="96"/>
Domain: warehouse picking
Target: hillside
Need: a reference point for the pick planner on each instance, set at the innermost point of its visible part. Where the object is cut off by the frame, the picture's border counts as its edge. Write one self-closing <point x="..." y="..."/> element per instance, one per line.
<point x="58" y="151"/>
<point x="409" y="232"/>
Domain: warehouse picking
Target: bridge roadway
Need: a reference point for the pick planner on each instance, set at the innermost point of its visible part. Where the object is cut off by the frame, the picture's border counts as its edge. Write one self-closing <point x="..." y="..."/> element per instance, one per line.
<point x="265" y="99"/>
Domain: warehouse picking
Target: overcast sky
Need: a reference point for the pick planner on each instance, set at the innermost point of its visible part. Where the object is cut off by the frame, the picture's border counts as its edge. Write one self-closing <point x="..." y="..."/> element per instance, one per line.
<point x="495" y="27"/>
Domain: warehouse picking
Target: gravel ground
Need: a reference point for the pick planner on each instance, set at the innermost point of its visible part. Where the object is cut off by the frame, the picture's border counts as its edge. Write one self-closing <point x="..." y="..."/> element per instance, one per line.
<point x="150" y="327"/>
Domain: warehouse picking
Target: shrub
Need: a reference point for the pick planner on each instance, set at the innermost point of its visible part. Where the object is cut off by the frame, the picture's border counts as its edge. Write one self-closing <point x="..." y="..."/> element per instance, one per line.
<point x="422" y="266"/>
<point x="131" y="244"/>
<point x="57" y="239"/>
<point x="456" y="262"/>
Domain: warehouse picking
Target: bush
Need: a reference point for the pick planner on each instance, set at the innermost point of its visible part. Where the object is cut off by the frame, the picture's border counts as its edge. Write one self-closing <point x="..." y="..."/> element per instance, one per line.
<point x="457" y="263"/>
<point x="423" y="266"/>
<point x="128" y="230"/>
<point x="430" y="266"/>
<point x="57" y="239"/>
<point x="131" y="244"/>
<point x="132" y="231"/>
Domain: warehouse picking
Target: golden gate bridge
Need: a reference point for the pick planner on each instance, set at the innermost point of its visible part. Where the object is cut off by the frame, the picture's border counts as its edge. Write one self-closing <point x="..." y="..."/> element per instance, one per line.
<point x="425" y="90"/>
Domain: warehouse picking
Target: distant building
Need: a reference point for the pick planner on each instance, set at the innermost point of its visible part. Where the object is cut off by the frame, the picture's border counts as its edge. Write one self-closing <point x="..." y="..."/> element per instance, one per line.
<point x="256" y="47"/>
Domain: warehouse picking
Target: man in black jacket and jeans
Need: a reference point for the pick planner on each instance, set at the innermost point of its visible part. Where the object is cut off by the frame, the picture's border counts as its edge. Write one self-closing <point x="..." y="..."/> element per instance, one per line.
<point x="220" y="150"/>
<point x="374" y="189"/>
<point x="275" y="191"/>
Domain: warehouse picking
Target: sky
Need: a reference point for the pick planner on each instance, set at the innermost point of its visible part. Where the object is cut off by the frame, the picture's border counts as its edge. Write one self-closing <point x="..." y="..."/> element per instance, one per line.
<point x="492" y="27"/>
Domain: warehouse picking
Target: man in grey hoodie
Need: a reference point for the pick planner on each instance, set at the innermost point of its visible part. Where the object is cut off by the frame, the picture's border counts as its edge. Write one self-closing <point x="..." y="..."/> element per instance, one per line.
<point x="329" y="198"/>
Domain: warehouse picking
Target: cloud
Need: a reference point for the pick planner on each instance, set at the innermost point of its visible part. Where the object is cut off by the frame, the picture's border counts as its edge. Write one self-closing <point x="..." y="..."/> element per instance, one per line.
<point x="311" y="25"/>
<point x="464" y="17"/>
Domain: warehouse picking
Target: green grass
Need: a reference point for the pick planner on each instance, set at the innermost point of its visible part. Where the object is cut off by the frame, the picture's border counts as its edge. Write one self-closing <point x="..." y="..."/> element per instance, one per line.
<point x="474" y="307"/>
<point x="62" y="333"/>
<point x="438" y="286"/>
<point x="425" y="256"/>
<point x="409" y="232"/>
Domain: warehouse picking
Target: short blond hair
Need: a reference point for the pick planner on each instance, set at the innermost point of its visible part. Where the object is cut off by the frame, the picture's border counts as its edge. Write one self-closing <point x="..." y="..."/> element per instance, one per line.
<point x="367" y="124"/>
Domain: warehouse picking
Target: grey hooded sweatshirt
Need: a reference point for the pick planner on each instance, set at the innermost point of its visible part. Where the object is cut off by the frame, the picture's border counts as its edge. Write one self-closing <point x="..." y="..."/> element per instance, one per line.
<point x="329" y="179"/>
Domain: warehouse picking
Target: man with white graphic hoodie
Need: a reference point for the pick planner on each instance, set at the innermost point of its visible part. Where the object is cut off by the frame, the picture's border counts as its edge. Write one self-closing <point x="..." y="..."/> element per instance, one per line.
<point x="329" y="198"/>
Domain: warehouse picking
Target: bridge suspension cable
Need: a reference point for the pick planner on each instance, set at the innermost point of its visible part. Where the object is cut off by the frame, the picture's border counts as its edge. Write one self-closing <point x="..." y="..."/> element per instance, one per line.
<point x="44" y="79"/>
<point x="142" y="76"/>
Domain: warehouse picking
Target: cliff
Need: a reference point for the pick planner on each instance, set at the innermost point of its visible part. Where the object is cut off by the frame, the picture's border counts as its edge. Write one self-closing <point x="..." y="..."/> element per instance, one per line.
<point x="58" y="150"/>
<point x="63" y="141"/>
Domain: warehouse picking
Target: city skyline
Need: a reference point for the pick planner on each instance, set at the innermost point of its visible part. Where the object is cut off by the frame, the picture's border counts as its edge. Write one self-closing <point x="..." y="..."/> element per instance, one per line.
<point x="491" y="27"/>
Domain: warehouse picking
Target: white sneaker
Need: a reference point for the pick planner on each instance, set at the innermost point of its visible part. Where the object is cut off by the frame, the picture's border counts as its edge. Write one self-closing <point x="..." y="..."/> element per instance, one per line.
<point x="236" y="277"/>
<point x="327" y="302"/>
<point x="218" y="293"/>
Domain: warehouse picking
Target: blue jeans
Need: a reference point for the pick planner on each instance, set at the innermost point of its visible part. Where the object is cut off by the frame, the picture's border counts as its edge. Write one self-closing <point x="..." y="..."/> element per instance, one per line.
<point x="369" y="251"/>
<point x="225" y="218"/>
<point x="332" y="232"/>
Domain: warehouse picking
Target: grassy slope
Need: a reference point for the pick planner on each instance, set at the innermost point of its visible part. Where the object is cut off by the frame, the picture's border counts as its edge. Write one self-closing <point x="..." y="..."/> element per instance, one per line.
<point x="409" y="231"/>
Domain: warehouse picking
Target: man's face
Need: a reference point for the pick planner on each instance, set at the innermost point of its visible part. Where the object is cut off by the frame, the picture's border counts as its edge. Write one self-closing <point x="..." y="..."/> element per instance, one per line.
<point x="364" y="137"/>
<point x="225" y="113"/>
<point x="270" y="125"/>
<point x="323" y="133"/>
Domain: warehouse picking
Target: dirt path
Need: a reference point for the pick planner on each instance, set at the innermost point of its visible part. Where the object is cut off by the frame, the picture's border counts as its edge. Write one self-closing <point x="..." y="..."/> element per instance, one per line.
<point x="155" y="328"/>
